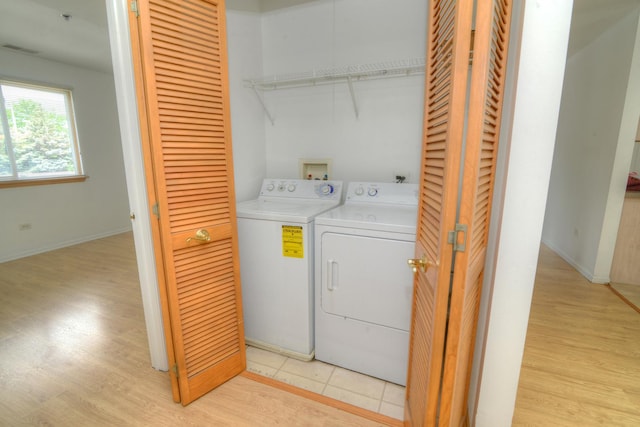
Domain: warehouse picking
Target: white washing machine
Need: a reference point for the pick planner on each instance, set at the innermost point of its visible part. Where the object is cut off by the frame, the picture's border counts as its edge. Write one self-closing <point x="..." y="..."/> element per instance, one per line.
<point x="275" y="239"/>
<point x="363" y="285"/>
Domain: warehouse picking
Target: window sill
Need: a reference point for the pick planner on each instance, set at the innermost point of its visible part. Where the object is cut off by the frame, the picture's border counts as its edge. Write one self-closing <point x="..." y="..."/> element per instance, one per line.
<point x="42" y="181"/>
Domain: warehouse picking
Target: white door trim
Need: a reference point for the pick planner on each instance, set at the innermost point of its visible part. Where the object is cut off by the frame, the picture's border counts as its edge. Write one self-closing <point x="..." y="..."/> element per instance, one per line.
<point x="118" y="21"/>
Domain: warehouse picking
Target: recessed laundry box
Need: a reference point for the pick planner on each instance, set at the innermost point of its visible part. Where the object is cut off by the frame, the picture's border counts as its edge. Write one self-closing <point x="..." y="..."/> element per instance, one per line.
<point x="275" y="235"/>
<point x="363" y="284"/>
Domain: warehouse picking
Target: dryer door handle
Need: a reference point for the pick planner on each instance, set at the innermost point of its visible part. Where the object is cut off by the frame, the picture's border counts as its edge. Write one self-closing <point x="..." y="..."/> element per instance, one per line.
<point x="332" y="274"/>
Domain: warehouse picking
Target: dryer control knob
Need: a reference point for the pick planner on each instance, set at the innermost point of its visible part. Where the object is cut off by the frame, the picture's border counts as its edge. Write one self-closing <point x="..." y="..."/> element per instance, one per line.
<point x="291" y="188"/>
<point x="281" y="187"/>
<point x="359" y="191"/>
<point x="270" y="187"/>
<point x="372" y="191"/>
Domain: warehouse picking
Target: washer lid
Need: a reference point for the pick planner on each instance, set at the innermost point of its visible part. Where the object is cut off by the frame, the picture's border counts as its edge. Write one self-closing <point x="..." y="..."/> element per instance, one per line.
<point x="381" y="217"/>
<point x="284" y="210"/>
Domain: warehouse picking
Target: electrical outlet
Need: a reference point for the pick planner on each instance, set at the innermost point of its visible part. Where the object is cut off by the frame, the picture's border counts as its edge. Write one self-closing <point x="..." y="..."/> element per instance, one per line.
<point x="25" y="226"/>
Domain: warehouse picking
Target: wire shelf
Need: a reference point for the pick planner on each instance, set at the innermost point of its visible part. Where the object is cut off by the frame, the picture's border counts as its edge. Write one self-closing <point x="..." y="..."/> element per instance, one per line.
<point x="354" y="73"/>
<point x="346" y="74"/>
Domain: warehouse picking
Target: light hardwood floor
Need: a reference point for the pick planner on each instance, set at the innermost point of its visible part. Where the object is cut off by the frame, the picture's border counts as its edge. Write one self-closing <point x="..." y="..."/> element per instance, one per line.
<point x="630" y="293"/>
<point x="73" y="352"/>
<point x="581" y="364"/>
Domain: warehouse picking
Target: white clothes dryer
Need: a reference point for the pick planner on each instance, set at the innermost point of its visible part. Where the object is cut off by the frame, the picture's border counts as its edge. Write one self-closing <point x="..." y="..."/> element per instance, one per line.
<point x="364" y="287"/>
<point x="275" y="239"/>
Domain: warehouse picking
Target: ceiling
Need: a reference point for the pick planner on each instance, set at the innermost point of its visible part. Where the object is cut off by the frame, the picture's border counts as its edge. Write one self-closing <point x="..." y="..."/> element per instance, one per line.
<point x="38" y="27"/>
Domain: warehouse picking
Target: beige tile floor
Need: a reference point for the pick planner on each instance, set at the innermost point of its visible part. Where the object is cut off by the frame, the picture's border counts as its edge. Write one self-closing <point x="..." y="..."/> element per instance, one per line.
<point x="347" y="386"/>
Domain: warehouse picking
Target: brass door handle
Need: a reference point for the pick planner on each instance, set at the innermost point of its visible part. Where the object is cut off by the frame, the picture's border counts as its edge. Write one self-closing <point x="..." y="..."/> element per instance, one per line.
<point x="421" y="263"/>
<point x="202" y="235"/>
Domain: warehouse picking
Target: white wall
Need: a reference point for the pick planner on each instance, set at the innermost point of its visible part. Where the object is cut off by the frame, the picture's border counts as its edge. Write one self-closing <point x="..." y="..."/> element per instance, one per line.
<point x="319" y="122"/>
<point x="244" y="39"/>
<point x="621" y="160"/>
<point x="65" y="214"/>
<point x="518" y="212"/>
<point x="592" y="157"/>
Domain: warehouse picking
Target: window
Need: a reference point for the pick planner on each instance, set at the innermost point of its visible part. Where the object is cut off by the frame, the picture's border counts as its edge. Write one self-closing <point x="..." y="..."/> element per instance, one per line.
<point x="38" y="139"/>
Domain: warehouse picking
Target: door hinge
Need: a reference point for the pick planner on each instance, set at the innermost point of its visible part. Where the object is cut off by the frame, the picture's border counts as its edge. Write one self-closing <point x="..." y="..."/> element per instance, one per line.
<point x="155" y="210"/>
<point x="473" y="38"/>
<point x="174" y="369"/>
<point x="452" y="238"/>
<point x="134" y="8"/>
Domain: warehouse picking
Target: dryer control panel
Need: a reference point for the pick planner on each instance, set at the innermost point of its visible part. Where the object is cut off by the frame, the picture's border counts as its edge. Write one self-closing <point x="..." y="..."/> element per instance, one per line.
<point x="382" y="192"/>
<point x="301" y="189"/>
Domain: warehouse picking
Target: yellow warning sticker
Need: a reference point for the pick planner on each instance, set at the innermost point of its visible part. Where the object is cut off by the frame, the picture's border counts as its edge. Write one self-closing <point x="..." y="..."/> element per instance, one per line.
<point x="292" y="241"/>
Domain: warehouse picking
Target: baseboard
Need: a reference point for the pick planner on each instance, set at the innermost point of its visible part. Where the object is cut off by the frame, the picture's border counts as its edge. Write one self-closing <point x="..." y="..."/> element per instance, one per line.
<point x="586" y="273"/>
<point x="64" y="244"/>
<point x="601" y="280"/>
<point x="276" y="349"/>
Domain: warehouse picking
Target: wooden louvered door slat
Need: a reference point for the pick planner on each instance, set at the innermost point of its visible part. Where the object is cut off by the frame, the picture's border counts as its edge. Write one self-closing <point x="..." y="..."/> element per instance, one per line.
<point x="447" y="293"/>
<point x="488" y="72"/>
<point x="184" y="102"/>
<point x="448" y="43"/>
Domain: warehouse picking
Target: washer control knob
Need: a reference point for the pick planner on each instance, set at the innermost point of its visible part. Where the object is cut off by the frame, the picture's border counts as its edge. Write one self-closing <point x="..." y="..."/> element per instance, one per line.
<point x="359" y="191"/>
<point x="291" y="188"/>
<point x="373" y="191"/>
<point x="326" y="189"/>
<point x="281" y="187"/>
<point x="271" y="187"/>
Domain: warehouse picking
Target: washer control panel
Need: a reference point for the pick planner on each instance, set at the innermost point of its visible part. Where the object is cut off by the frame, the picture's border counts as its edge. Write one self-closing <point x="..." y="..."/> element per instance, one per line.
<point x="382" y="192"/>
<point x="301" y="189"/>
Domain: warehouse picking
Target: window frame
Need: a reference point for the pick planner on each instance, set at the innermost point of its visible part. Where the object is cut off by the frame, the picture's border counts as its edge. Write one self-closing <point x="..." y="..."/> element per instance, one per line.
<point x="14" y="180"/>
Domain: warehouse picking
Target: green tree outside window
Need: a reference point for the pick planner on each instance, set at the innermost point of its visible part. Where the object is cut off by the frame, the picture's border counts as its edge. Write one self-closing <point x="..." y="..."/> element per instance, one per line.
<point x="37" y="139"/>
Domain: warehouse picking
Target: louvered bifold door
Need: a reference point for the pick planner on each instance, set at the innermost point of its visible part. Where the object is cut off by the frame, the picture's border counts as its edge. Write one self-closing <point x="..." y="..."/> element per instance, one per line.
<point x="445" y="88"/>
<point x="484" y="116"/>
<point x="183" y="49"/>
